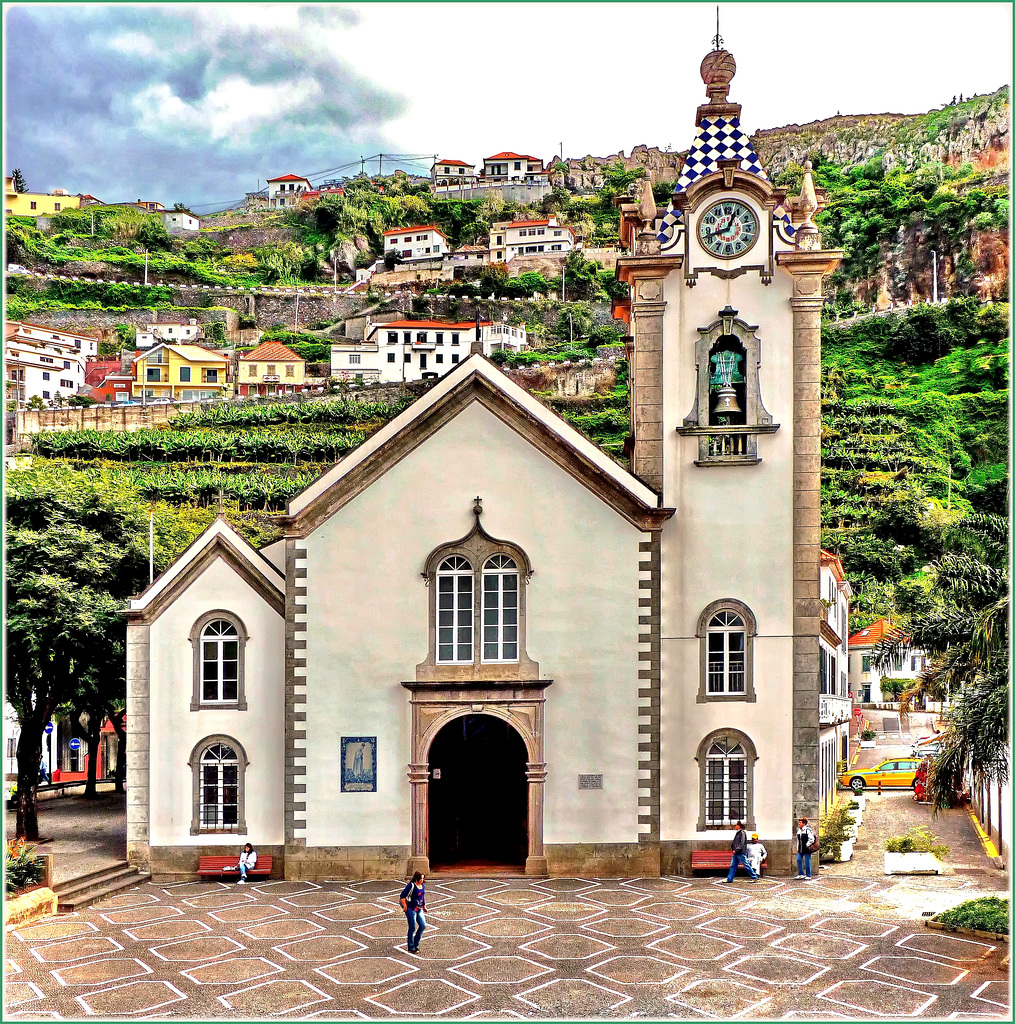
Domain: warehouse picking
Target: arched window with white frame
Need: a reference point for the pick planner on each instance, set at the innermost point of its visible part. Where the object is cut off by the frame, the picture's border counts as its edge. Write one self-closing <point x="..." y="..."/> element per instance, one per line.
<point x="455" y="611"/>
<point x="726" y="629"/>
<point x="219" y="640"/>
<point x="219" y="767"/>
<point x="726" y="759"/>
<point x="500" y="609"/>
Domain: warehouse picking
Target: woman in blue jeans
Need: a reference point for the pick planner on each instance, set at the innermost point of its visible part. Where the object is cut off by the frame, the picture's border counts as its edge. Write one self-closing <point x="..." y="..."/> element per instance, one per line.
<point x="804" y="840"/>
<point x="413" y="901"/>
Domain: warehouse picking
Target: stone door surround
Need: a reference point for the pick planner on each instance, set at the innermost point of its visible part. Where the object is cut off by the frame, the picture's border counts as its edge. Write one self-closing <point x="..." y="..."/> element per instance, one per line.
<point x="519" y="702"/>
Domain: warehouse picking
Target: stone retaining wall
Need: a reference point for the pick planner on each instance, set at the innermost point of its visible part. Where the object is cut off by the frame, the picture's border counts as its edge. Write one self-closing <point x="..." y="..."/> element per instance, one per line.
<point x="29" y="907"/>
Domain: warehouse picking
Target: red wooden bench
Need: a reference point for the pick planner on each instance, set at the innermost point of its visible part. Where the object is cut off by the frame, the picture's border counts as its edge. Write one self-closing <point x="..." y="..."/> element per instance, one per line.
<point x="712" y="860"/>
<point x="227" y="865"/>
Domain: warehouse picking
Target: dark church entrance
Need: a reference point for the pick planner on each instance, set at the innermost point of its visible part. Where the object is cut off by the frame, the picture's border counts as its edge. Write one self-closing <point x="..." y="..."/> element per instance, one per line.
<point x="478" y="795"/>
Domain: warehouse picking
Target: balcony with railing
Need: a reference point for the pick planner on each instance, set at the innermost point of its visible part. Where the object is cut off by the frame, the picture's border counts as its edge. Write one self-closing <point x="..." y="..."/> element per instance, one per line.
<point x="833" y="709"/>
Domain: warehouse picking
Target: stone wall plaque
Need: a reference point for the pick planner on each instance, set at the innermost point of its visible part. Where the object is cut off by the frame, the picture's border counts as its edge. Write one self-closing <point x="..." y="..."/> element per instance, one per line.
<point x="590" y="781"/>
<point x="359" y="764"/>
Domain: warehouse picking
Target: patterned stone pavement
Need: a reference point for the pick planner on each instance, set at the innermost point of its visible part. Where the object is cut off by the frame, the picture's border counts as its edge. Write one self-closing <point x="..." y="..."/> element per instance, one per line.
<point x="503" y="948"/>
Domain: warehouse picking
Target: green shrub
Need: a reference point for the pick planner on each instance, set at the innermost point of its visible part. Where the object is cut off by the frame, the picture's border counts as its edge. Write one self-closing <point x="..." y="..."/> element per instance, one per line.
<point x="919" y="839"/>
<point x="835" y="829"/>
<point x="986" y="914"/>
<point x="868" y="734"/>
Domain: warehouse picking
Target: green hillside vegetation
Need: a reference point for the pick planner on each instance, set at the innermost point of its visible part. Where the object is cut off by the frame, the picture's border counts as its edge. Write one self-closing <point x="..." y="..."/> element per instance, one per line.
<point x="914" y="437"/>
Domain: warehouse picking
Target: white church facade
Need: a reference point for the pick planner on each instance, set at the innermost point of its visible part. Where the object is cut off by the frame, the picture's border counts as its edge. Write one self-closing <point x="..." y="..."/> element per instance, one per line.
<point x="484" y="642"/>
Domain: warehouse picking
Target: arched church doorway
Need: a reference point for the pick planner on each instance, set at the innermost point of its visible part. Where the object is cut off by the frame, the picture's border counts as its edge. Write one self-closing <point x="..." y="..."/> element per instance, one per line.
<point x="478" y="794"/>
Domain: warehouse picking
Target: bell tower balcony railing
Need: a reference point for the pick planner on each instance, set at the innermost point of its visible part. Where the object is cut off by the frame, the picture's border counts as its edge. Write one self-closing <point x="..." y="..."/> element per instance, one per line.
<point x="728" y="446"/>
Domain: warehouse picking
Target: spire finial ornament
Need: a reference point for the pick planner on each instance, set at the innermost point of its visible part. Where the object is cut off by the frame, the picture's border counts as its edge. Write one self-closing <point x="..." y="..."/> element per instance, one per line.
<point x="717" y="39"/>
<point x="477" y="509"/>
<point x="807" y="204"/>
<point x="648" y="239"/>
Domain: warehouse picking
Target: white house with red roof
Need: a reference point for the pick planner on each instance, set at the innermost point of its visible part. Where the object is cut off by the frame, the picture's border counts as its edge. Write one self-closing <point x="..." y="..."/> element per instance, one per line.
<point x="423" y="242"/>
<point x="43" y="362"/>
<point x="865" y="677"/>
<point x="514" y="167"/>
<point x="452" y="173"/>
<point x="286" y="189"/>
<point x="529" y="237"/>
<point x="402" y="350"/>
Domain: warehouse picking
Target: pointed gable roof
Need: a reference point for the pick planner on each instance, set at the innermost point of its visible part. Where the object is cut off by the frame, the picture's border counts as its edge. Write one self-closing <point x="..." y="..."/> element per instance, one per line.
<point x="477" y="379"/>
<point x="219" y="540"/>
<point x="876" y="632"/>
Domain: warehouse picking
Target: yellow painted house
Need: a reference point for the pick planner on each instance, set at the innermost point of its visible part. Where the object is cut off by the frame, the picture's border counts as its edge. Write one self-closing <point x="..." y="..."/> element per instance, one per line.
<point x="182" y="373"/>
<point x="270" y="369"/>
<point x="36" y="204"/>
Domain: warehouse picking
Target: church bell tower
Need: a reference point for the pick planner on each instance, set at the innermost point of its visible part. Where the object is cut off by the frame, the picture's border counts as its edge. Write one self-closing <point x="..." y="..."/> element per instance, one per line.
<point x="725" y="317"/>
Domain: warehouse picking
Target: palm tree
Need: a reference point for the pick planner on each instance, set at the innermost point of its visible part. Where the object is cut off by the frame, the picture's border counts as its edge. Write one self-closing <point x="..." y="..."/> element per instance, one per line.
<point x="966" y="632"/>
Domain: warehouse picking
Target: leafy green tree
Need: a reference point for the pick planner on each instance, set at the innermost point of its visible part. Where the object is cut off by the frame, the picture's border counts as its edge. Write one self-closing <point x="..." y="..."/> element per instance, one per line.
<point x="152" y="234"/>
<point x="581" y="276"/>
<point x="20" y="185"/>
<point x="75" y="552"/>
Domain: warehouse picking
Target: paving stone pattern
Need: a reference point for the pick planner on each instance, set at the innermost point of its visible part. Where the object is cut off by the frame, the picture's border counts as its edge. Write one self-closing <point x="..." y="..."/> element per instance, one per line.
<point x="503" y="948"/>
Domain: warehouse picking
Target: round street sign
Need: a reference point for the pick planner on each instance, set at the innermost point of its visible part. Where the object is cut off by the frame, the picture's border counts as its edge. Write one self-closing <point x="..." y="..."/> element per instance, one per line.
<point x="49" y="728"/>
<point x="74" y="744"/>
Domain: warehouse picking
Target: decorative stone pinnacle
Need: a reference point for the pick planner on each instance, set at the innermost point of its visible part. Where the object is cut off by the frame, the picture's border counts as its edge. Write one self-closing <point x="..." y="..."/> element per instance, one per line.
<point x="648" y="241"/>
<point x="717" y="71"/>
<point x="807" y="204"/>
<point x="477" y="509"/>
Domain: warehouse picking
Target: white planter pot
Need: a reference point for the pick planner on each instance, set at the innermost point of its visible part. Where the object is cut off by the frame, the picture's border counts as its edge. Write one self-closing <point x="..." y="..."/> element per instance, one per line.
<point x="857" y="816"/>
<point x="912" y="864"/>
<point x="846" y="850"/>
<point x="861" y="799"/>
<point x="853" y="831"/>
<point x="868" y="744"/>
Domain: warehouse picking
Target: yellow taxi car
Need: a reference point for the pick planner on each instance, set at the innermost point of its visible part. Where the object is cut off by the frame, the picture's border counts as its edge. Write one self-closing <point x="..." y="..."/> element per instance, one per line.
<point x="897" y="772"/>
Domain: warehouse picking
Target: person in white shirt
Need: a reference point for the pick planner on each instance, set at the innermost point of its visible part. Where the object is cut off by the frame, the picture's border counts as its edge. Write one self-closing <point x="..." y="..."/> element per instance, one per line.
<point x="248" y="859"/>
<point x="755" y="853"/>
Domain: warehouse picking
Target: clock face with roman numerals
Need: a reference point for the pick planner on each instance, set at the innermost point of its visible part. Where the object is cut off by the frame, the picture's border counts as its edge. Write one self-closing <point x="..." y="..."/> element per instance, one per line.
<point x="728" y="229"/>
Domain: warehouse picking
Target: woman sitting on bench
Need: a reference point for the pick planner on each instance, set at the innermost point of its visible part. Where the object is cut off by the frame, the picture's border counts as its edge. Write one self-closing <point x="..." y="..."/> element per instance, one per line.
<point x="248" y="860"/>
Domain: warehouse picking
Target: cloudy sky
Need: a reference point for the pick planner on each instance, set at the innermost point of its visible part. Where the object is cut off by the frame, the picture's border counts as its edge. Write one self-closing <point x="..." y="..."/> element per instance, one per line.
<point x="201" y="103"/>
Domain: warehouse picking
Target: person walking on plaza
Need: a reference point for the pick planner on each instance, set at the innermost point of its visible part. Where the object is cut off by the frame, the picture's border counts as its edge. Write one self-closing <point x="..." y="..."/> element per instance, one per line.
<point x="806" y="844"/>
<point x="413" y="901"/>
<point x="248" y="859"/>
<point x="739" y="848"/>
<point x="756" y="853"/>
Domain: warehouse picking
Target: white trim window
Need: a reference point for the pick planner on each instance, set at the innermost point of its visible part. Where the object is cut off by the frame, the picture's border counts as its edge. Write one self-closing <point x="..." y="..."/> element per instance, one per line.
<point x="220" y="663"/>
<point x="727" y="646"/>
<point x="500" y="609"/>
<point x="454" y="611"/>
<point x="220" y="788"/>
<point x="725" y="783"/>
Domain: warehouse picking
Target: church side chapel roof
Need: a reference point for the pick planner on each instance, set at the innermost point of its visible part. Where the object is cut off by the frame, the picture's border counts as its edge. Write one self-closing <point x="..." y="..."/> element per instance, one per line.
<point x="719" y="137"/>
<point x="219" y="540"/>
<point x="478" y="379"/>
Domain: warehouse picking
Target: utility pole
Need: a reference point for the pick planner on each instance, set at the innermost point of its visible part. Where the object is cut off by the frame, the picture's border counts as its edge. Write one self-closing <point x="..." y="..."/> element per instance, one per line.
<point x="362" y="165"/>
<point x="562" y="271"/>
<point x="949" y="483"/>
<point x="380" y="163"/>
<point x="146" y="268"/>
<point x="334" y="269"/>
<point x="93" y="222"/>
<point x="296" y="318"/>
<point x="933" y="254"/>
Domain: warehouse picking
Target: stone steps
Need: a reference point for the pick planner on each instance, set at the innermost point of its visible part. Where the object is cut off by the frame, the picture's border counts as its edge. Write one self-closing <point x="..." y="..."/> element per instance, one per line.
<point x="84" y="890"/>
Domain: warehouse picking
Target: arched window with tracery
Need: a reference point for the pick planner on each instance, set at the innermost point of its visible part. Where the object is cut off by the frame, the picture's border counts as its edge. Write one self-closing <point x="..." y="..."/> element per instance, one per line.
<point x="219" y="766"/>
<point x="219" y="639"/>
<point x="726" y="629"/>
<point x="454" y="611"/>
<point x="500" y="609"/>
<point x="726" y="760"/>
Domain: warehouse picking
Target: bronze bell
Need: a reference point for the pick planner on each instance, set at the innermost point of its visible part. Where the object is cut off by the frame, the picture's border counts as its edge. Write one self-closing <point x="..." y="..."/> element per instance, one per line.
<point x="726" y="401"/>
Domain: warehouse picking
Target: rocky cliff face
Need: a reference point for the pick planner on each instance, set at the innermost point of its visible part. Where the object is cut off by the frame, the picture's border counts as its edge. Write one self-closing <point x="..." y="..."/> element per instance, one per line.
<point x="974" y="131"/>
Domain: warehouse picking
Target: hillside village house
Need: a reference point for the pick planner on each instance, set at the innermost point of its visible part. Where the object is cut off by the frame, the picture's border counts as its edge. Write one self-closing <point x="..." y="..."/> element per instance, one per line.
<point x="270" y="369"/>
<point x="835" y="706"/>
<point x="864" y="675"/>
<point x="526" y="237"/>
<point x="403" y="350"/>
<point x="181" y="373"/>
<point x="174" y="331"/>
<point x="43" y="363"/>
<point x="286" y="190"/>
<point x="514" y="167"/>
<point x="425" y="242"/>
<point x="467" y="256"/>
<point x="180" y="220"/>
<point x="150" y="205"/>
<point x="581" y="669"/>
<point x="453" y="173"/>
<point x="36" y="204"/>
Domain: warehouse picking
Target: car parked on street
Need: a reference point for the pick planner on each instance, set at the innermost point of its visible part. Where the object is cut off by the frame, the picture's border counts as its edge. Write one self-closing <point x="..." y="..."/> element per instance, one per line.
<point x="930" y="747"/>
<point x="892" y="773"/>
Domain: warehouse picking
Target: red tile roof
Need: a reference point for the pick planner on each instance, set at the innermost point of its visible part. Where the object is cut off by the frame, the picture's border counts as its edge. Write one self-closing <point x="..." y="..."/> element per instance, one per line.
<point x="271" y="351"/>
<point x="446" y="325"/>
<point x="456" y="163"/>
<point x="827" y="558"/>
<point x="416" y="227"/>
<point x="875" y="633"/>
<point x="512" y="156"/>
<point x="290" y="177"/>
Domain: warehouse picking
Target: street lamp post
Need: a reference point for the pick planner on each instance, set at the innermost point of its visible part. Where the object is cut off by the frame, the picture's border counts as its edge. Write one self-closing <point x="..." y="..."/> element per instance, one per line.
<point x="146" y="268"/>
<point x="933" y="254"/>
